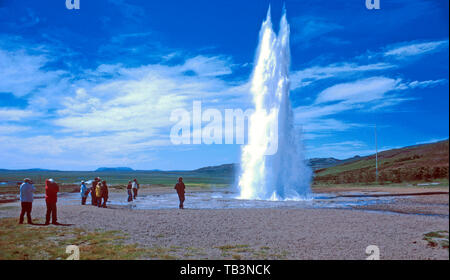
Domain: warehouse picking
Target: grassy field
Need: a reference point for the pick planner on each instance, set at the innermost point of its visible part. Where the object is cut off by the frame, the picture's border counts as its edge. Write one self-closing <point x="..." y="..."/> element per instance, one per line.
<point x="34" y="242"/>
<point x="421" y="163"/>
<point x="117" y="177"/>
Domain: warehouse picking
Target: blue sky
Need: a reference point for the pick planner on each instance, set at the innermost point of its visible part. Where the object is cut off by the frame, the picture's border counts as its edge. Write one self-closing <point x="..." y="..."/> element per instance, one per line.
<point x="95" y="87"/>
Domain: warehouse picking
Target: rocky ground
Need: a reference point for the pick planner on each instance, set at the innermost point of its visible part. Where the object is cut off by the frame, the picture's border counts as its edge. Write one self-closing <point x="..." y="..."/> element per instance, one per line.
<point x="398" y="229"/>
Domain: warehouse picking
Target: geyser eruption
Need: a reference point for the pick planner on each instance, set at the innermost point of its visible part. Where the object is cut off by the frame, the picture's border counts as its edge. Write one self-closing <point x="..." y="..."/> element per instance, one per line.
<point x="272" y="163"/>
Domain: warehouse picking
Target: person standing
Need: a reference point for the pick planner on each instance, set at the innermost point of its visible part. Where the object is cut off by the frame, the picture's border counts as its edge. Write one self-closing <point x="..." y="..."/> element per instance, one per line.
<point x="130" y="193"/>
<point x="98" y="193"/>
<point x="93" y="191"/>
<point x="180" y="187"/>
<point x="51" y="197"/>
<point x="104" y="188"/>
<point x="135" y="187"/>
<point x="83" y="192"/>
<point x="26" y="200"/>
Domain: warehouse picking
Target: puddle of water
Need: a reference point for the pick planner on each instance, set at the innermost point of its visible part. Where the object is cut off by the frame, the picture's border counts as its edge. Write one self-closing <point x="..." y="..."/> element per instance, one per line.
<point x="227" y="200"/>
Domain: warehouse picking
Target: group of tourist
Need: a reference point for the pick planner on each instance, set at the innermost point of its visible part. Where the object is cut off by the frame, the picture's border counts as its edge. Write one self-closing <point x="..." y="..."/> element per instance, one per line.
<point x="98" y="191"/>
<point x="27" y="190"/>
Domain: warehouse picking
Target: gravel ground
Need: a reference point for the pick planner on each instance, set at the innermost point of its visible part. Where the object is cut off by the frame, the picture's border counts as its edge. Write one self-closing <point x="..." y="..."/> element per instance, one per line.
<point x="271" y="233"/>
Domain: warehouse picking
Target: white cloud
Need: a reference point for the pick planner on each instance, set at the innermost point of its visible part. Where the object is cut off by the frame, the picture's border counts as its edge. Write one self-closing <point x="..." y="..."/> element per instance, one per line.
<point x="359" y="91"/>
<point x="142" y="98"/>
<point x="208" y="66"/>
<point x="327" y="125"/>
<point x="21" y="73"/>
<point x="12" y="129"/>
<point x="367" y="94"/>
<point x="17" y="114"/>
<point x="414" y="49"/>
<point x="307" y="76"/>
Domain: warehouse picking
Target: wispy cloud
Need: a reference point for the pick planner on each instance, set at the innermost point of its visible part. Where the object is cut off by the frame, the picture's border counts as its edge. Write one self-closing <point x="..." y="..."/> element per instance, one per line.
<point x="408" y="49"/>
<point x="361" y="95"/>
<point x="7" y="114"/>
<point x="22" y="73"/>
<point x="308" y="29"/>
<point x="313" y="74"/>
<point x="359" y="91"/>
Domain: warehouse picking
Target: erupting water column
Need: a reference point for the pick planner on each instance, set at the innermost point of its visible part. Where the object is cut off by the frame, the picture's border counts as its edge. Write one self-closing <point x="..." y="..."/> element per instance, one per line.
<point x="272" y="163"/>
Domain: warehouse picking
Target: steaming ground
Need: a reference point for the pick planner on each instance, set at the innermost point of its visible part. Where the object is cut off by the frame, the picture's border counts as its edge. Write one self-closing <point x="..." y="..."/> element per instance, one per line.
<point x="271" y="233"/>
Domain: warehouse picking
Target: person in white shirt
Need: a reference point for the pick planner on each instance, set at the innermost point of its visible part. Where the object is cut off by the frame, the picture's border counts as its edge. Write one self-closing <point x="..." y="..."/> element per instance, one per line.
<point x="135" y="187"/>
<point x="26" y="199"/>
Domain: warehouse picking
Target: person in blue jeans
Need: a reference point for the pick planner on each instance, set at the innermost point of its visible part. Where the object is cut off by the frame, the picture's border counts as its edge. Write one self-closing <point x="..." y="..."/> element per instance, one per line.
<point x="26" y="200"/>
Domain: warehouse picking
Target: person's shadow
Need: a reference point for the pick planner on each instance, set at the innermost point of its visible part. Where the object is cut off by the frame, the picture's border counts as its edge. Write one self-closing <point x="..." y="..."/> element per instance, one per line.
<point x="45" y="225"/>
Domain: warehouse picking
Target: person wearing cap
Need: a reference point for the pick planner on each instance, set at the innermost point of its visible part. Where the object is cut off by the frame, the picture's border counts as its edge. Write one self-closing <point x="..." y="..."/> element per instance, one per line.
<point x="26" y="200"/>
<point x="180" y="187"/>
<point x="83" y="192"/>
<point x="135" y="187"/>
<point x="51" y="197"/>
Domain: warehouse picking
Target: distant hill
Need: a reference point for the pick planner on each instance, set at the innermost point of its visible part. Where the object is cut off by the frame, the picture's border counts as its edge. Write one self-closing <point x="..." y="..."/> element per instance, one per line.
<point x="320" y="163"/>
<point x="314" y="163"/>
<point x="31" y="170"/>
<point x="424" y="162"/>
<point x="113" y="169"/>
<point x="220" y="169"/>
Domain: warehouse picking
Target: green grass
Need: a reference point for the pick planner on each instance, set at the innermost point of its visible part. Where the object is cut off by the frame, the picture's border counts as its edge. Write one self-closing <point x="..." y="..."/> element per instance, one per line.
<point x="443" y="183"/>
<point x="166" y="178"/>
<point x="31" y="242"/>
<point x="437" y="239"/>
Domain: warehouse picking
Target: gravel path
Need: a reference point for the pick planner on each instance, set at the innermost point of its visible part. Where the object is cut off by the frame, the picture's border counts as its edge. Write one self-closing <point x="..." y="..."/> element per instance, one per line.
<point x="263" y="233"/>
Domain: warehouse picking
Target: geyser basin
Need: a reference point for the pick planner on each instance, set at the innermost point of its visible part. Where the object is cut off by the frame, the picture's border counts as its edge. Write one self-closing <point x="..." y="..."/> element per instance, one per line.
<point x="229" y="200"/>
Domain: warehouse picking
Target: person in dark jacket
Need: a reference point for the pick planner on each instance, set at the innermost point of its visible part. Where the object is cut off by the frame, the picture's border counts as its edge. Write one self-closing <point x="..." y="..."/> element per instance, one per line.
<point x="130" y="193"/>
<point x="104" y="193"/>
<point x="180" y="187"/>
<point x="51" y="197"/>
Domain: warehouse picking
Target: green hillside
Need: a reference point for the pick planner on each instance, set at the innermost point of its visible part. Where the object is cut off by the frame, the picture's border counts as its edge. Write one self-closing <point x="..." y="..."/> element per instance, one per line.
<point x="425" y="162"/>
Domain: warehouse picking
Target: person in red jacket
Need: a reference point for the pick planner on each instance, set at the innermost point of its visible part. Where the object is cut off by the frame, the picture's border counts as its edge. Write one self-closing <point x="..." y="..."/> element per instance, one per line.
<point x="51" y="197"/>
<point x="180" y="187"/>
